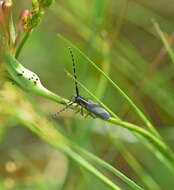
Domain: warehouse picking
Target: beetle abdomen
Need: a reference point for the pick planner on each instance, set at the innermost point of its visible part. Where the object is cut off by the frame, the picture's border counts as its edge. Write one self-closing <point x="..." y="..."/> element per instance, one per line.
<point x="98" y="111"/>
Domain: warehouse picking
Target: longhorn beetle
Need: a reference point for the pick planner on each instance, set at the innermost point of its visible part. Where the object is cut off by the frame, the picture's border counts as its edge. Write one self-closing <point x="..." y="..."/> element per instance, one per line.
<point x="89" y="105"/>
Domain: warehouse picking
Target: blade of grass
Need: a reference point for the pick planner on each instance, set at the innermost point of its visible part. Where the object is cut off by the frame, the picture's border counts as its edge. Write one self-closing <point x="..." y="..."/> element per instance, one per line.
<point x="89" y="167"/>
<point x="151" y="83"/>
<point x="106" y="66"/>
<point x="131" y="160"/>
<point x="164" y="40"/>
<point x="159" y="144"/>
<point x="144" y="17"/>
<point x="144" y="175"/>
<point x="107" y="166"/>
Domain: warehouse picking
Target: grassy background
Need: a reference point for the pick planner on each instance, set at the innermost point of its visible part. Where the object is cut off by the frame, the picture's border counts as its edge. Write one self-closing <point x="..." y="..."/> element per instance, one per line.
<point x="120" y="37"/>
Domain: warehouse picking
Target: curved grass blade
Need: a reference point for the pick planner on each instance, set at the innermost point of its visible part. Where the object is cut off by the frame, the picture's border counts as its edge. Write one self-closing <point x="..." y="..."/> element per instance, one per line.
<point x="107" y="166"/>
<point x="153" y="140"/>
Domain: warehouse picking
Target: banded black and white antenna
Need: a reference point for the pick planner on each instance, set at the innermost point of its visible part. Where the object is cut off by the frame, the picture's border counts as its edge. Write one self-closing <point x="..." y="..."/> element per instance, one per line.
<point x="74" y="71"/>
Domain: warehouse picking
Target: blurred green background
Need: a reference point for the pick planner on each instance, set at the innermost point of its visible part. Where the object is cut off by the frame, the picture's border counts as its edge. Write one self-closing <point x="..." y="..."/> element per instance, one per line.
<point x="121" y="38"/>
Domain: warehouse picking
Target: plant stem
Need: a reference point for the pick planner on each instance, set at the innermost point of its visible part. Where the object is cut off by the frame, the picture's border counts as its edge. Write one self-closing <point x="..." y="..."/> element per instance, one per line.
<point x="25" y="38"/>
<point x="161" y="146"/>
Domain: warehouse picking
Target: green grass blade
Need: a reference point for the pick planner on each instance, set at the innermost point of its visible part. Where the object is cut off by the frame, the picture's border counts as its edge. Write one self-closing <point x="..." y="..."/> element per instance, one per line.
<point x="141" y="172"/>
<point x="164" y="40"/>
<point x="156" y="142"/>
<point x="106" y="67"/>
<point x="107" y="166"/>
<point x="90" y="168"/>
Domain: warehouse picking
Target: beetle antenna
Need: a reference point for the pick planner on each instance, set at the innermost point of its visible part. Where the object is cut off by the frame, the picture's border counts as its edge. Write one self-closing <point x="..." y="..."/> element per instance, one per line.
<point x="74" y="70"/>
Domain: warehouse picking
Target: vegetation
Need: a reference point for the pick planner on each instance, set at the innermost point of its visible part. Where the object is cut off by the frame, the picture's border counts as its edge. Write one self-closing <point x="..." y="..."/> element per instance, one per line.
<point x="124" y="62"/>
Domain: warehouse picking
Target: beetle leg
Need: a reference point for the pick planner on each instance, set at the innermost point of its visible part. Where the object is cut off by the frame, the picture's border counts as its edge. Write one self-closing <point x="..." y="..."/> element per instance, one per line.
<point x="74" y="107"/>
<point x="92" y="115"/>
<point x="77" y="111"/>
<point x="87" y="115"/>
<point x="81" y="111"/>
<point x="66" y="107"/>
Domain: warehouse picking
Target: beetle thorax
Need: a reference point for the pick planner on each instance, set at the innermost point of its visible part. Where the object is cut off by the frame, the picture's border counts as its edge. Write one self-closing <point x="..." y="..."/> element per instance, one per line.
<point x="81" y="101"/>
